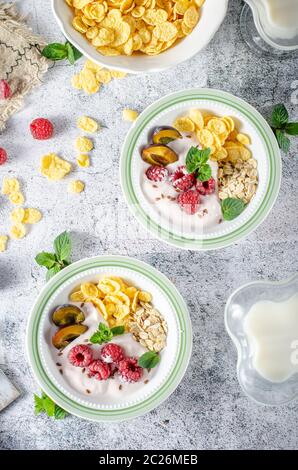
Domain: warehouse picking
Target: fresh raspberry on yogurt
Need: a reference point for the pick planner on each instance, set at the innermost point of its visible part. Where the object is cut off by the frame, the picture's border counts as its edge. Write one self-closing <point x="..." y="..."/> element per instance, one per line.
<point x="206" y="187"/>
<point x="189" y="201"/>
<point x="99" y="370"/>
<point x="157" y="173"/>
<point x="80" y="355"/>
<point x="182" y="180"/>
<point x="129" y="370"/>
<point x="112" y="353"/>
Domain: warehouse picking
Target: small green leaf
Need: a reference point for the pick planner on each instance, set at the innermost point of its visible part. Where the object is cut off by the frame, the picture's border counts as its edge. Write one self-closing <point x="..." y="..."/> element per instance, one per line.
<point x="280" y="116"/>
<point x="204" y="172"/>
<point x="70" y="53"/>
<point x="38" y="404"/>
<point x="55" y="51"/>
<point x="149" y="360"/>
<point x="46" y="259"/>
<point x="232" y="208"/>
<point x="292" y="128"/>
<point x="283" y="141"/>
<point x="118" y="330"/>
<point x="48" y="405"/>
<point x="59" y="412"/>
<point x="204" y="155"/>
<point x="76" y="53"/>
<point x="62" y="246"/>
<point x="192" y="159"/>
<point x="52" y="271"/>
<point x="102" y="335"/>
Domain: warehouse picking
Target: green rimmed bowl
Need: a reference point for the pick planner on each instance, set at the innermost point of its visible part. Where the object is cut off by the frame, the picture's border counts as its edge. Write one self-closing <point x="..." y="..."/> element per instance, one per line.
<point x="264" y="148"/>
<point x="174" y="358"/>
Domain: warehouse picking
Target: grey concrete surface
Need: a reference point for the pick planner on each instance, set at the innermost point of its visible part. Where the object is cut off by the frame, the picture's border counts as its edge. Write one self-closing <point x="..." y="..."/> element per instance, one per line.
<point x="208" y="410"/>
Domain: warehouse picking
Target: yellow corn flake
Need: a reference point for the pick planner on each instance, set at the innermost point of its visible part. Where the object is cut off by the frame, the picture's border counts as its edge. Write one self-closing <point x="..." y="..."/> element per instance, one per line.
<point x="154" y="16"/>
<point x="18" y="231"/>
<point x="245" y="154"/>
<point x="243" y="139"/>
<point x="129" y="115"/>
<point x="79" y="4"/>
<point x="182" y="6"/>
<point x="89" y="290"/>
<point x="10" y="185"/>
<point x="87" y="124"/>
<point x="205" y="137"/>
<point x="104" y="76"/>
<point x="32" y="216"/>
<point x="117" y="74"/>
<point x="79" y="25"/>
<point x="165" y="31"/>
<point x="108" y="286"/>
<point x="76" y="81"/>
<point x="145" y="296"/>
<point x="197" y="118"/>
<point x="230" y="121"/>
<point x="101" y="307"/>
<point x="220" y="154"/>
<point x="83" y="160"/>
<point x="17" y="215"/>
<point x="77" y="296"/>
<point x="83" y="144"/>
<point x="53" y="167"/>
<point x="184" y="124"/>
<point x="16" y="198"/>
<point x="76" y="186"/>
<point x="191" y="17"/>
<point x="89" y="82"/>
<point x="90" y="65"/>
<point x="3" y="243"/>
<point x="217" y="126"/>
<point x="109" y="51"/>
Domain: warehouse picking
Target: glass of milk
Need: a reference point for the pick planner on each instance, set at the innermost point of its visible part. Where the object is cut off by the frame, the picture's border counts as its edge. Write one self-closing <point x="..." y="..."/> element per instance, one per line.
<point x="271" y="26"/>
<point x="262" y="319"/>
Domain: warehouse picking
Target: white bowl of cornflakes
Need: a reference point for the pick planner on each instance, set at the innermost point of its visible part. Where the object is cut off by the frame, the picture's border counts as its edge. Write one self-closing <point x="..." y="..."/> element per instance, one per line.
<point x="139" y="36"/>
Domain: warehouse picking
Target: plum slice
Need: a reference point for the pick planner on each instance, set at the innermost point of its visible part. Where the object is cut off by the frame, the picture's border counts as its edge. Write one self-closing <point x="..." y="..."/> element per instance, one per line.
<point x="165" y="134"/>
<point x="65" y="335"/>
<point x="157" y="154"/>
<point x="68" y="315"/>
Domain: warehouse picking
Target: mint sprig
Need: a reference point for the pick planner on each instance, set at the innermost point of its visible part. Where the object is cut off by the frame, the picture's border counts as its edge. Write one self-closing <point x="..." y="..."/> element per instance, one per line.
<point x="232" y="208"/>
<point x="45" y="404"/>
<point x="196" y="162"/>
<point x="56" y="51"/>
<point x="104" y="334"/>
<point x="149" y="360"/>
<point x="58" y="260"/>
<point x="282" y="127"/>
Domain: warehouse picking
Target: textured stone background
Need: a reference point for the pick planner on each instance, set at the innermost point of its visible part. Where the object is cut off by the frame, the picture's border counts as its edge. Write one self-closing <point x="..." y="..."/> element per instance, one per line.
<point x="208" y="410"/>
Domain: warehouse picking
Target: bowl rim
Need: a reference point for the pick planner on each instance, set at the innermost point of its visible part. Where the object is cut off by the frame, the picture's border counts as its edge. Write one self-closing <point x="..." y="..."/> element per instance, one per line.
<point x="178" y="306"/>
<point x="100" y="59"/>
<point x="256" y="119"/>
<point x="236" y="341"/>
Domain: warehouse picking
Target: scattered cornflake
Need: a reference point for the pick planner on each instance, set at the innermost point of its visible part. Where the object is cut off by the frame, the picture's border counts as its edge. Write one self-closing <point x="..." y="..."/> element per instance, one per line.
<point x="83" y="144"/>
<point x="92" y="75"/>
<point x="16" y="198"/>
<point x="17" y="215"/>
<point x="32" y="216"/>
<point x="10" y="185"/>
<point x="18" y="231"/>
<point x="53" y="167"/>
<point x="129" y="114"/>
<point x="3" y="243"/>
<point x="87" y="124"/>
<point x="76" y="186"/>
<point x="83" y="160"/>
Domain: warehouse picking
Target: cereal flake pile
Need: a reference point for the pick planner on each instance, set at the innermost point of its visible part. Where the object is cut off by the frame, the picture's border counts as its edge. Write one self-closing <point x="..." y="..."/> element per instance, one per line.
<point x="124" y="27"/>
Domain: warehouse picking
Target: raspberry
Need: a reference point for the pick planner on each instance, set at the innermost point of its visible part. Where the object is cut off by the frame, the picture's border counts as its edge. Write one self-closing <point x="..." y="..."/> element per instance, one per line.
<point x="80" y="355"/>
<point x="100" y="370"/>
<point x="5" y="90"/>
<point x="129" y="370"/>
<point x="182" y="180"/>
<point x="206" y="187"/>
<point x="189" y="201"/>
<point x="41" y="129"/>
<point x="112" y="353"/>
<point x="3" y="156"/>
<point x="157" y="173"/>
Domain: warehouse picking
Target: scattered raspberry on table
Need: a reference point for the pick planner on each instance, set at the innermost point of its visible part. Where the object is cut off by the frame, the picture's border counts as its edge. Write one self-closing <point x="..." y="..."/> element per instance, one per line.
<point x="3" y="156"/>
<point x="41" y="129"/>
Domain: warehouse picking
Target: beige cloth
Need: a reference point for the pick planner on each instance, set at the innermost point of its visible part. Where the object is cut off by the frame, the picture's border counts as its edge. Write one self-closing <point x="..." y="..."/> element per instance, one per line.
<point x="21" y="63"/>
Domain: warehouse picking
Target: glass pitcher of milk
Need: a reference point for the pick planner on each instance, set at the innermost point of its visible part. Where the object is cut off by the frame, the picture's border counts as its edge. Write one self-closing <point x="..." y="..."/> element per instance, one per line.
<point x="271" y="24"/>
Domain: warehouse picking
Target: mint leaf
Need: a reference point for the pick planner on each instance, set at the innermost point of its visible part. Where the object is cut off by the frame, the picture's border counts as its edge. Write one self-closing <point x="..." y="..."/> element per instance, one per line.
<point x="204" y="155"/>
<point x="59" y="412"/>
<point x="204" y="173"/>
<point x="280" y="116"/>
<point x="102" y="335"/>
<point x="283" y="141"/>
<point x="292" y="128"/>
<point x="192" y="159"/>
<point x="75" y="52"/>
<point x="149" y="360"/>
<point x="55" y="51"/>
<point x="38" y="404"/>
<point x="70" y="53"/>
<point x="52" y="271"/>
<point x="118" y="330"/>
<point x="232" y="208"/>
<point x="46" y="259"/>
<point x="48" y="405"/>
<point x="62" y="246"/>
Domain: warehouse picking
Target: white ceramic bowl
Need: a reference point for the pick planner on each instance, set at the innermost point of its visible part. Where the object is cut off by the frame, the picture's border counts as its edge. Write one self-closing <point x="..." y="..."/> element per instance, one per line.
<point x="213" y="13"/>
